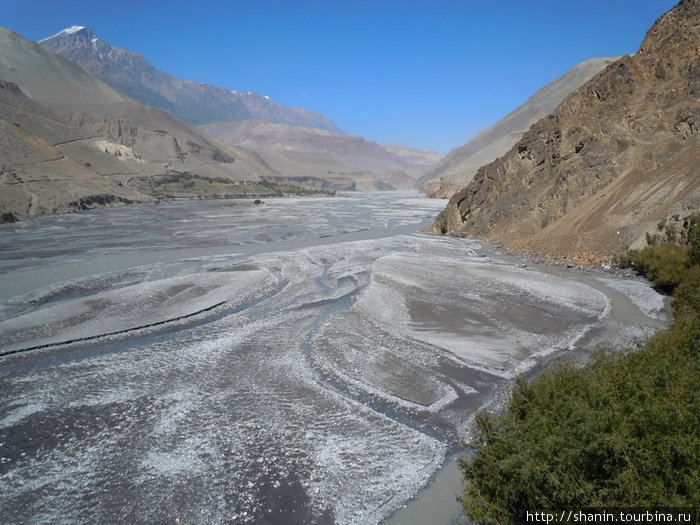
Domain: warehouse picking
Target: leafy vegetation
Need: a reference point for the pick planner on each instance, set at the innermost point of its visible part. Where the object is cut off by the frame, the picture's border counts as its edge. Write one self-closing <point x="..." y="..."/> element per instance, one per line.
<point x="663" y="264"/>
<point x="622" y="432"/>
<point x="694" y="240"/>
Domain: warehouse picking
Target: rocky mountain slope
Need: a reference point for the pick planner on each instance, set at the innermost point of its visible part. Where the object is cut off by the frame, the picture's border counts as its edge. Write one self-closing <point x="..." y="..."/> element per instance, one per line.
<point x="617" y="158"/>
<point x="192" y="102"/>
<point x="459" y="166"/>
<point x="37" y="176"/>
<point x="56" y="114"/>
<point x="347" y="162"/>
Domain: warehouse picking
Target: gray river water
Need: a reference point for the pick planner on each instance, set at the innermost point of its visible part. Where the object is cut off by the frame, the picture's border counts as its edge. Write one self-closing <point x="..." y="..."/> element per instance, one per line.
<point x="312" y="360"/>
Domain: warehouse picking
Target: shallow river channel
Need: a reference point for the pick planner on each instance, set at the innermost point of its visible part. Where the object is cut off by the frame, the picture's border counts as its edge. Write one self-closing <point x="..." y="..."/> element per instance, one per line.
<point x="310" y="360"/>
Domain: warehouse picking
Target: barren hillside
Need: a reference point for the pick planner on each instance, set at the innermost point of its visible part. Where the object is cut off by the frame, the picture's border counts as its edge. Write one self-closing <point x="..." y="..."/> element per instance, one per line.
<point x="460" y="165"/>
<point x="616" y="158"/>
<point x="347" y="162"/>
<point x="61" y="123"/>
<point x="50" y="166"/>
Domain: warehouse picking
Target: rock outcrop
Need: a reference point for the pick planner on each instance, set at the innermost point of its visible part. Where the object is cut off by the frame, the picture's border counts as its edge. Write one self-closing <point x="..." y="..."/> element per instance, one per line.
<point x="460" y="165"/>
<point x="616" y="157"/>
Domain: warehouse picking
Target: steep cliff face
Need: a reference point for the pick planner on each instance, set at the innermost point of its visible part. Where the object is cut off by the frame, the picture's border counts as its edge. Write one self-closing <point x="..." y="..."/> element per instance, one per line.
<point x="617" y="156"/>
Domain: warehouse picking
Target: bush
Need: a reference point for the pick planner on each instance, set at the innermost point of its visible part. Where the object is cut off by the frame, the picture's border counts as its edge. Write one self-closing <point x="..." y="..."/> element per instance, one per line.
<point x="623" y="433"/>
<point x="686" y="298"/>
<point x="662" y="264"/>
<point x="694" y="240"/>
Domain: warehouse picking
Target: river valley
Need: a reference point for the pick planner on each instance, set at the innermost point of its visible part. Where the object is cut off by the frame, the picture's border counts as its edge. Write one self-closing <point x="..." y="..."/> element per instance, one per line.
<point x="306" y="360"/>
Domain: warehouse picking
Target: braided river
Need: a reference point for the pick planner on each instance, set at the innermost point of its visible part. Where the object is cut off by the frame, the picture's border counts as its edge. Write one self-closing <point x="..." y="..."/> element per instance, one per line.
<point x="308" y="360"/>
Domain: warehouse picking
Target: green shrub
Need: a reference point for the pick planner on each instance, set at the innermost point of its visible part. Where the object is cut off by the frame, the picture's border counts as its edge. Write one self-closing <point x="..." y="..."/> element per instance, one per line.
<point x="687" y="295"/>
<point x="663" y="264"/>
<point x="623" y="432"/>
<point x="694" y="240"/>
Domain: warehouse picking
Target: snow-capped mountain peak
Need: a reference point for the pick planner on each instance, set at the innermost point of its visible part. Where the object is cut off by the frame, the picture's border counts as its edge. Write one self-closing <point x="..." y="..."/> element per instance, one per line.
<point x="73" y="29"/>
<point x="67" y="31"/>
<point x="81" y="42"/>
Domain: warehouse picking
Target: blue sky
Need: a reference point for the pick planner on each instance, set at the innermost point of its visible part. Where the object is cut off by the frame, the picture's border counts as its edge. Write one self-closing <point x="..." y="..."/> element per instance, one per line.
<point x="426" y="74"/>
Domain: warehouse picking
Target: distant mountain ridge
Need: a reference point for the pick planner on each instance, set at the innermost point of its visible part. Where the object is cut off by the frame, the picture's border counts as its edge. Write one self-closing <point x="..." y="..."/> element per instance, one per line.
<point x="298" y="152"/>
<point x="618" y="159"/>
<point x="458" y="167"/>
<point x="192" y="102"/>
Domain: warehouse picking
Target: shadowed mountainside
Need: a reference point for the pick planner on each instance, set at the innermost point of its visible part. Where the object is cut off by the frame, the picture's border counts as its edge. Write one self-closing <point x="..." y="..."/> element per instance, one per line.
<point x="460" y="165"/>
<point x="616" y="158"/>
